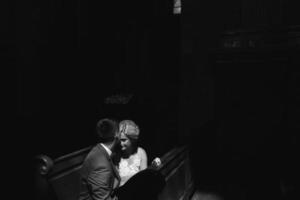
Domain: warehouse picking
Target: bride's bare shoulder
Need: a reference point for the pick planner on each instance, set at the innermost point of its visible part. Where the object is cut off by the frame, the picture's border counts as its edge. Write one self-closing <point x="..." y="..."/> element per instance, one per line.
<point x="141" y="151"/>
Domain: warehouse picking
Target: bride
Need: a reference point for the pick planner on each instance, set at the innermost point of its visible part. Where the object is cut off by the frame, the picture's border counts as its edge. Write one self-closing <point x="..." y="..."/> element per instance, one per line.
<point x="133" y="158"/>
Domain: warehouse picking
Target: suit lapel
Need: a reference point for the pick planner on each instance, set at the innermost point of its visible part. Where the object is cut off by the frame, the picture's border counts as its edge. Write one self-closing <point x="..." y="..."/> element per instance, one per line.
<point x="117" y="176"/>
<point x="115" y="170"/>
<point x="111" y="163"/>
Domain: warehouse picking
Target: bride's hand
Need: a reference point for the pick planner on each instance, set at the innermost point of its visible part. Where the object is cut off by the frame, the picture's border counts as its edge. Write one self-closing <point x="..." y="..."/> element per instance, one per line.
<point x="156" y="162"/>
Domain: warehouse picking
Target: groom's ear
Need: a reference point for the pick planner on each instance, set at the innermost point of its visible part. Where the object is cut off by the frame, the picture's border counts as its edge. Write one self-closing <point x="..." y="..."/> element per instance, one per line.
<point x="117" y="142"/>
<point x="118" y="136"/>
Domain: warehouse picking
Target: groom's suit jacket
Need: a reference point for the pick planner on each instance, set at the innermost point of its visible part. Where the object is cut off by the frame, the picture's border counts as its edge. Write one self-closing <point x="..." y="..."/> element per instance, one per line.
<point x="98" y="176"/>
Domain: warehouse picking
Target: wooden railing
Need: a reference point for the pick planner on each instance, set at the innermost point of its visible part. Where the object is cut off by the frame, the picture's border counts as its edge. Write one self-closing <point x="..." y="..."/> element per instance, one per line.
<point x="176" y="170"/>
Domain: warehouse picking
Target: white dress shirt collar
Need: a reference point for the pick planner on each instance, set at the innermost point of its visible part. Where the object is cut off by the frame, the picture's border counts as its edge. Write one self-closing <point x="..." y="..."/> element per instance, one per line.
<point x="106" y="149"/>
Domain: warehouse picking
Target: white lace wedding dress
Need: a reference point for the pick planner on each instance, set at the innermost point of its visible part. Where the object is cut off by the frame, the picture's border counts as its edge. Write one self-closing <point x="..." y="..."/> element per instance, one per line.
<point x="129" y="167"/>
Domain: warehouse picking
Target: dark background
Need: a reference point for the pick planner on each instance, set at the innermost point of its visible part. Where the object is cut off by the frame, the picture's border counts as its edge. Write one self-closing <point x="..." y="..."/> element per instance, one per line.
<point x="248" y="93"/>
<point x="182" y="70"/>
<point x="72" y="56"/>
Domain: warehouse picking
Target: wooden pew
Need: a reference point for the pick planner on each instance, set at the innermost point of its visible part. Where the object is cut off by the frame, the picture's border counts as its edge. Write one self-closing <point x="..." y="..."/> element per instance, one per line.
<point x="58" y="179"/>
<point x="176" y="169"/>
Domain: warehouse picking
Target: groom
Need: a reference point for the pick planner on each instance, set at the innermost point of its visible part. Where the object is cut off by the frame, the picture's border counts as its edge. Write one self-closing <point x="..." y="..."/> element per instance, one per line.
<point x="98" y="176"/>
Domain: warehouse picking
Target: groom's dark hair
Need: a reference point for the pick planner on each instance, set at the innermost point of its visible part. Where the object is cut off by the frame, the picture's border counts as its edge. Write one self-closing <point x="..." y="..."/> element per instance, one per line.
<point x="107" y="130"/>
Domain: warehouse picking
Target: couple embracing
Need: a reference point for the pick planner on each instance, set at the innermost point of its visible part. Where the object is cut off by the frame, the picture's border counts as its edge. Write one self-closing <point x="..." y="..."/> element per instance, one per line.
<point x="116" y="168"/>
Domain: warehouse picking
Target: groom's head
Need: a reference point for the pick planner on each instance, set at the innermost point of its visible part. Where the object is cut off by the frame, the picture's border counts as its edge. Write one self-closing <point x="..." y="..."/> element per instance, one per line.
<point x="107" y="130"/>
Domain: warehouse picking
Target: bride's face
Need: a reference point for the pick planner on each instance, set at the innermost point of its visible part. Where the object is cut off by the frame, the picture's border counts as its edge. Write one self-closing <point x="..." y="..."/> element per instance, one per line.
<point x="125" y="142"/>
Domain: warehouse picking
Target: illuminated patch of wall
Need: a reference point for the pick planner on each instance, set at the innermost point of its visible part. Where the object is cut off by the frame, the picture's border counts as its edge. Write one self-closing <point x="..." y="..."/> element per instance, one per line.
<point x="177" y="7"/>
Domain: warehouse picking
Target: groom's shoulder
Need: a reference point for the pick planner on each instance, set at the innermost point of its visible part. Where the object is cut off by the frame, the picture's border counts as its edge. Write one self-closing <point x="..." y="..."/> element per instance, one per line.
<point x="96" y="155"/>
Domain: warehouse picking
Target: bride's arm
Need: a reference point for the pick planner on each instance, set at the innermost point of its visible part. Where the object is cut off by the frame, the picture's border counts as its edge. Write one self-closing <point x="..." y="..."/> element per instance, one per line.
<point x="144" y="159"/>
